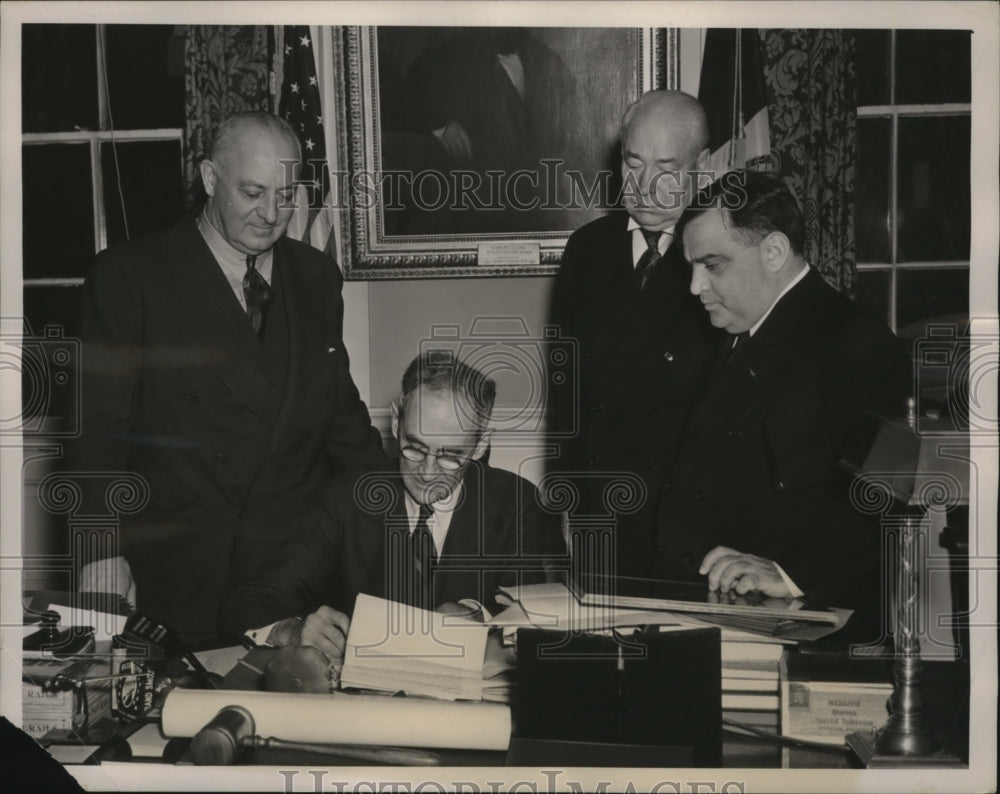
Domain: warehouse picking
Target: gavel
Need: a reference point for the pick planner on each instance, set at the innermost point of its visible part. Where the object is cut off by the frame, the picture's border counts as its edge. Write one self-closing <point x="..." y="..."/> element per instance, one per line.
<point x="224" y="738"/>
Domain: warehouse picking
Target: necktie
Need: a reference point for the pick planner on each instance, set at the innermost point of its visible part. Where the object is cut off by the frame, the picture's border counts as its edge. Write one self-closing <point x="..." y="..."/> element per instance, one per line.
<point x="738" y="344"/>
<point x="422" y="550"/>
<point x="258" y="294"/>
<point x="647" y="262"/>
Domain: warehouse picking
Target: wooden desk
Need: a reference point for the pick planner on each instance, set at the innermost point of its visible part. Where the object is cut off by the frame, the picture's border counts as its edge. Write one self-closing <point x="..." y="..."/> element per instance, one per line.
<point x="945" y="690"/>
<point x="945" y="686"/>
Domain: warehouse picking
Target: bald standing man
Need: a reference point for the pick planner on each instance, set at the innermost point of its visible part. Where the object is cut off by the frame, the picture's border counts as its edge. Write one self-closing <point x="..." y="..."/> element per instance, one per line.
<point x="640" y="336"/>
<point x="214" y="368"/>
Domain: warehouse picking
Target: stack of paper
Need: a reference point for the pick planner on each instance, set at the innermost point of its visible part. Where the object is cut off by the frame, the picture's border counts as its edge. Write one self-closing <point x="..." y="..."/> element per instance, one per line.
<point x="393" y="647"/>
<point x="553" y="606"/>
<point x="498" y="671"/>
<point x="788" y="618"/>
<point x="751" y="680"/>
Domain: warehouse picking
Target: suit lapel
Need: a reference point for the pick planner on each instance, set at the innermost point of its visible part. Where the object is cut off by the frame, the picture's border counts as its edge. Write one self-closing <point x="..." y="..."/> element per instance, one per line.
<point x="303" y="311"/>
<point x="623" y="257"/>
<point x="469" y="523"/>
<point x="783" y="340"/>
<point x="207" y="313"/>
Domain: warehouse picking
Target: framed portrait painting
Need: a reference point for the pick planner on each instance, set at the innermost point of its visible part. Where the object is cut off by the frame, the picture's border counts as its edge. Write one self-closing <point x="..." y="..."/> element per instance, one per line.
<point x="478" y="150"/>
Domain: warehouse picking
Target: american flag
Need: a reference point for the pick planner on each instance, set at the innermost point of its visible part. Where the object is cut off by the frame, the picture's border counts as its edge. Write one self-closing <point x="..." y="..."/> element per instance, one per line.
<point x="300" y="105"/>
<point x="732" y="92"/>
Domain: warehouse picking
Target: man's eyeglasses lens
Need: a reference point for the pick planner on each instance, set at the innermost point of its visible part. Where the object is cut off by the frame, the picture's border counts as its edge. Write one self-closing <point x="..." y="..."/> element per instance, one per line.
<point x="446" y="462"/>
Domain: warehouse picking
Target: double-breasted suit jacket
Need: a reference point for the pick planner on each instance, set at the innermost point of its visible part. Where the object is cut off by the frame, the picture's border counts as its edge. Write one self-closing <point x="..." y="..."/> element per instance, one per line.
<point x="233" y="435"/>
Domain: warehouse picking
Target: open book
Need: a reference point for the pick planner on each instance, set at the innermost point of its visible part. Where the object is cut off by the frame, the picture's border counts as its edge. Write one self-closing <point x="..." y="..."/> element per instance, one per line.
<point x="393" y="647"/>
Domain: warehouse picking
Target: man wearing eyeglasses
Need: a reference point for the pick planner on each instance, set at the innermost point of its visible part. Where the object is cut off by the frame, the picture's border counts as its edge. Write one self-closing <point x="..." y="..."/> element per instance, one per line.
<point x="441" y="527"/>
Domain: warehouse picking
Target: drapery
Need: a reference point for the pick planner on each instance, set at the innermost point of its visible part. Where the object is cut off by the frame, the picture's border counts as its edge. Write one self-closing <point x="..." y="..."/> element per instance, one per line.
<point x="227" y="70"/>
<point x="809" y="77"/>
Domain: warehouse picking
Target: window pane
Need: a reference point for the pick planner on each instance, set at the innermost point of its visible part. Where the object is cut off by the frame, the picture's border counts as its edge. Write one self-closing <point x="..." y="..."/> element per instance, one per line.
<point x="933" y="66"/>
<point x="931" y="295"/>
<point x="151" y="187"/>
<point x="933" y="188"/>
<point x="58" y="77"/>
<point x="58" y="210"/>
<point x="871" y="60"/>
<point x="146" y="76"/>
<point x="871" y="195"/>
<point x="873" y="293"/>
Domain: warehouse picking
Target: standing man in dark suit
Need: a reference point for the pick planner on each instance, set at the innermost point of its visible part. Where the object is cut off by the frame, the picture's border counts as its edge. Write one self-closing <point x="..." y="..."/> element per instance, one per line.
<point x="440" y="527"/>
<point x="214" y="369"/>
<point x="622" y="295"/>
<point x="755" y="500"/>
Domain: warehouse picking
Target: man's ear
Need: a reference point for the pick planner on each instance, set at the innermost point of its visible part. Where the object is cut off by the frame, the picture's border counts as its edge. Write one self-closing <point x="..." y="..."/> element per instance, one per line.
<point x="394" y="409"/>
<point x="208" y="176"/>
<point x="775" y="250"/>
<point x="701" y="161"/>
<point x="483" y="444"/>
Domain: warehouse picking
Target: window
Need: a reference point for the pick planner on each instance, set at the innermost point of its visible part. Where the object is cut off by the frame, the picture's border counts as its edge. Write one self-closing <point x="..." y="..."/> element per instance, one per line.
<point x="912" y="206"/>
<point x="102" y="126"/>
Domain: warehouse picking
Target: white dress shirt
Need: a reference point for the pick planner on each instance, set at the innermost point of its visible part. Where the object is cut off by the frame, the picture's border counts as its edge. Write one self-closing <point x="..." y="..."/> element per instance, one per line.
<point x="639" y="245"/>
<point x="440" y="518"/>
<point x="233" y="262"/>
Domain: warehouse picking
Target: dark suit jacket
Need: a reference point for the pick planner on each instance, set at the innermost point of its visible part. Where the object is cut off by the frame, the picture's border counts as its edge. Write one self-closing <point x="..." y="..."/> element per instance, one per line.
<point x="499" y="534"/>
<point x="780" y="413"/>
<point x="234" y="438"/>
<point x="639" y="356"/>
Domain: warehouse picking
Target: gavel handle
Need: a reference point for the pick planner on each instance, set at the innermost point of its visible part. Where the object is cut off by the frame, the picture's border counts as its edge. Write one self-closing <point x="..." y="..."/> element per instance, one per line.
<point x="397" y="756"/>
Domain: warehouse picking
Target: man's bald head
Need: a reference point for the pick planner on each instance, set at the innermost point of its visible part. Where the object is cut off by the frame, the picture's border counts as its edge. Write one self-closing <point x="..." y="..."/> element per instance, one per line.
<point x="670" y="109"/>
<point x="242" y="125"/>
<point x="664" y="140"/>
<point x="250" y="180"/>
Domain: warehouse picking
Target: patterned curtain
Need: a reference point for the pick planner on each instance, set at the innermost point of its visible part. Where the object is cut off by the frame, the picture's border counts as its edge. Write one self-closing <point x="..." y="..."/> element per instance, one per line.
<point x="226" y="71"/>
<point x="809" y="76"/>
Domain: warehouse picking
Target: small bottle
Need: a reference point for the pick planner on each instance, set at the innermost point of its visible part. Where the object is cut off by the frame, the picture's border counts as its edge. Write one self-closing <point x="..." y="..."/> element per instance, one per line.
<point x="132" y="695"/>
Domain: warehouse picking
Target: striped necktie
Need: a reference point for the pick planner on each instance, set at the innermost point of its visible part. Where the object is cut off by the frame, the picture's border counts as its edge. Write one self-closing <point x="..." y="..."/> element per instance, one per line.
<point x="422" y="552"/>
<point x="649" y="259"/>
<point x="258" y="295"/>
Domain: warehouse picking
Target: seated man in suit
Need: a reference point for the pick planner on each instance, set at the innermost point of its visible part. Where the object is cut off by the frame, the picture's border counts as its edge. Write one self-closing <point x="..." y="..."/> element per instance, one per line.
<point x="440" y="527"/>
<point x="755" y="500"/>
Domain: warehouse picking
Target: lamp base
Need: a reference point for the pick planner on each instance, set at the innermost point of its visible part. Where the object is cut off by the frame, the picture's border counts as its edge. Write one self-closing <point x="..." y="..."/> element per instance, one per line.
<point x="865" y="748"/>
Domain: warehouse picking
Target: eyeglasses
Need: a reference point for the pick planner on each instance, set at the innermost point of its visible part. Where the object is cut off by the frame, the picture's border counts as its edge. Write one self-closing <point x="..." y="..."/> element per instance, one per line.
<point x="444" y="460"/>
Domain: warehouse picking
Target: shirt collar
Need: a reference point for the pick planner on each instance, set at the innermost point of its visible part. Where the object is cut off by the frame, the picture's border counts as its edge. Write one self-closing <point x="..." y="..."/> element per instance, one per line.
<point x="801" y="275"/>
<point x="633" y="224"/>
<point x="230" y="259"/>
<point x="639" y="242"/>
<point x="446" y="505"/>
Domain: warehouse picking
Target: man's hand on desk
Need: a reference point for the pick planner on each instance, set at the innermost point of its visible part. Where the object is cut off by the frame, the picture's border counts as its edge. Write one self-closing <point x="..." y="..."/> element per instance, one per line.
<point x="728" y="569"/>
<point x="325" y="629"/>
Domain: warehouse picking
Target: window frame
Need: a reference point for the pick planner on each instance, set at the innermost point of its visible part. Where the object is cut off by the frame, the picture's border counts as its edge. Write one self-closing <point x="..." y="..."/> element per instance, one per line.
<point x="894" y="112"/>
<point x="94" y="139"/>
